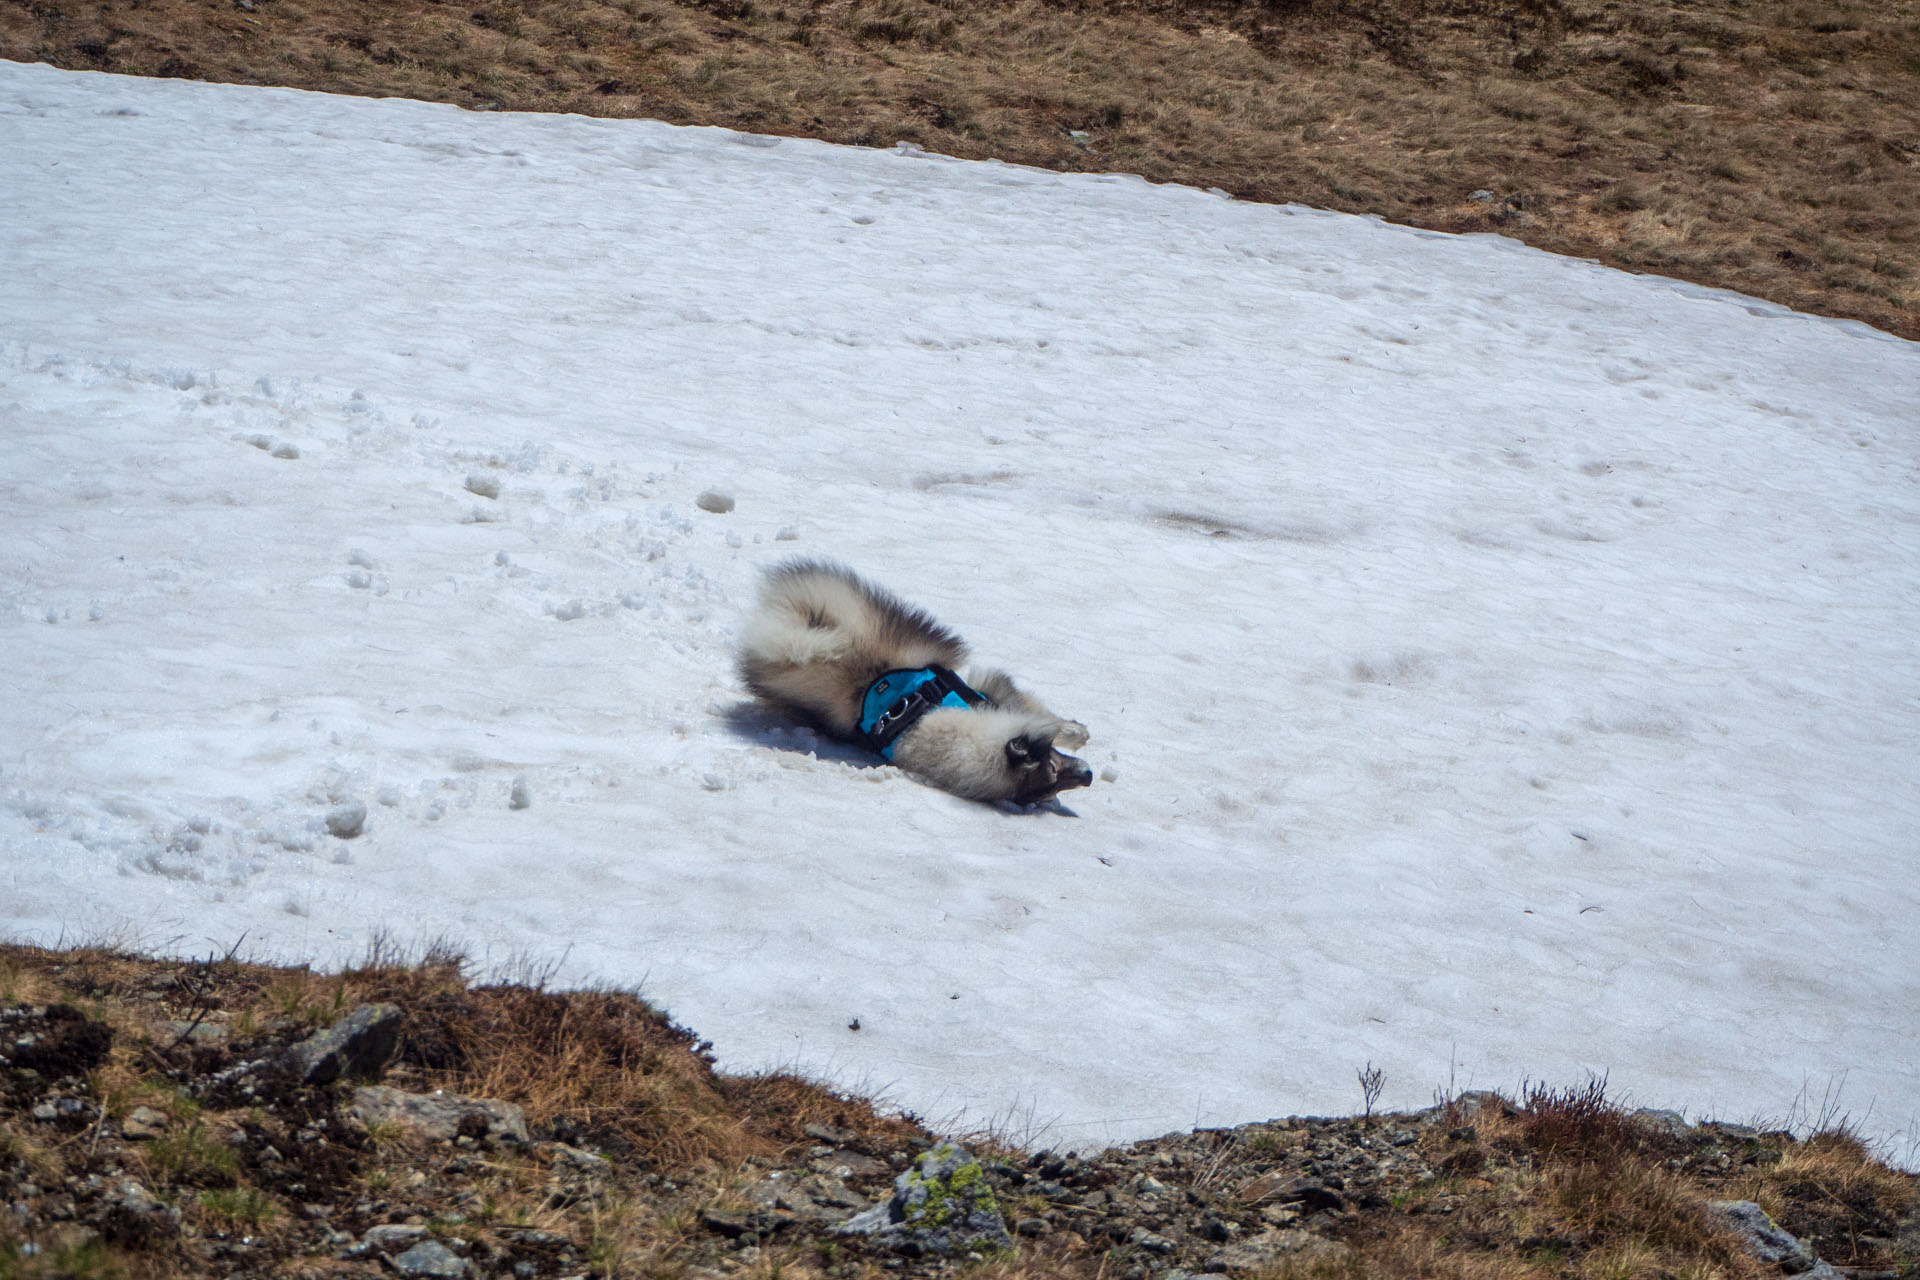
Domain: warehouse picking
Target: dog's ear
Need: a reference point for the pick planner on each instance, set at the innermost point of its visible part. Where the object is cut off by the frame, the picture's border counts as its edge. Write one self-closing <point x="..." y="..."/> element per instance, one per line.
<point x="1024" y="750"/>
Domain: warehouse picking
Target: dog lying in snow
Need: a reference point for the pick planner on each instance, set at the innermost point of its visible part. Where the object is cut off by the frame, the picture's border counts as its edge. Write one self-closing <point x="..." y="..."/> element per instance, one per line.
<point x="855" y="661"/>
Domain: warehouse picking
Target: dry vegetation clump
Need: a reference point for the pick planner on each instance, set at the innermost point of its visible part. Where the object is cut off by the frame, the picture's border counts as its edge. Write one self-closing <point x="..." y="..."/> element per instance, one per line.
<point x="1836" y="1189"/>
<point x="1566" y="1183"/>
<point x="1768" y="146"/>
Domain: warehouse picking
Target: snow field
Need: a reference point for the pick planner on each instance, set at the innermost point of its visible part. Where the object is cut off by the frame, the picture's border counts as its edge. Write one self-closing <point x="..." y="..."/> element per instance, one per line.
<point x="1504" y="667"/>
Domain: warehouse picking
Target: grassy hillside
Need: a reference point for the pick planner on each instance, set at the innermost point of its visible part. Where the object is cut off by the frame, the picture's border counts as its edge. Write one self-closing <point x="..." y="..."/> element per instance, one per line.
<point x="158" y="1121"/>
<point x="1768" y="146"/>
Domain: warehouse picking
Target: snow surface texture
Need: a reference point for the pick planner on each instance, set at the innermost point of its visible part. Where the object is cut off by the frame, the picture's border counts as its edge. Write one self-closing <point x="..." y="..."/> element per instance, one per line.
<point x="1499" y="667"/>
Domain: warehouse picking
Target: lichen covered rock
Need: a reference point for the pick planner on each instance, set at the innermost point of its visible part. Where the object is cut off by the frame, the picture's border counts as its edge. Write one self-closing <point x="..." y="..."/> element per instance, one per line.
<point x="942" y="1205"/>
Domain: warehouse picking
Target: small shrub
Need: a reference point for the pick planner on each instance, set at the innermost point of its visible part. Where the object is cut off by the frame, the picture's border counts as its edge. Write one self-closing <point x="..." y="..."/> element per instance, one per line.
<point x="1577" y="1121"/>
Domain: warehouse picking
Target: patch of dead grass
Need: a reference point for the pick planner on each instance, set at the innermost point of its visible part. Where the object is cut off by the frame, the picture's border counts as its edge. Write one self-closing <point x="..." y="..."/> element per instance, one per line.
<point x="1393" y="107"/>
<point x="1836" y="1191"/>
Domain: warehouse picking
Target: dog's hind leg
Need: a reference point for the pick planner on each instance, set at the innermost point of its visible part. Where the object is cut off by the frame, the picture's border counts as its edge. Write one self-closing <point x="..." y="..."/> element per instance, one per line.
<point x="1000" y="690"/>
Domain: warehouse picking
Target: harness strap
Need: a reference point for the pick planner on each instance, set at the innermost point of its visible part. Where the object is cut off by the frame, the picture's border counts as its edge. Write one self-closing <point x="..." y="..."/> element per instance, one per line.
<point x="895" y="702"/>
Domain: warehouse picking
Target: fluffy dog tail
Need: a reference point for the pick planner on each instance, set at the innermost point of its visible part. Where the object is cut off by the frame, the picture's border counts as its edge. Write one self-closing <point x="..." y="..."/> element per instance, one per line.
<point x="821" y="635"/>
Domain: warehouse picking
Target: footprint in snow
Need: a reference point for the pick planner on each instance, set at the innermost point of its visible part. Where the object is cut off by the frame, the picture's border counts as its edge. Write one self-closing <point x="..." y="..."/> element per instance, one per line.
<point x="277" y="448"/>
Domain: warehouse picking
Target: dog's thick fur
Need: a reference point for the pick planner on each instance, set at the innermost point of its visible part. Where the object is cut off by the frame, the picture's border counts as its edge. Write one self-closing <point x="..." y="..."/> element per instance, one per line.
<point x="821" y="636"/>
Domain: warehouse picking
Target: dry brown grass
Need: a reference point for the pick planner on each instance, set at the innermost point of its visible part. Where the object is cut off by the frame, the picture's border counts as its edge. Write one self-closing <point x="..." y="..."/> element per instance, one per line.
<point x="604" y="1064"/>
<point x="599" y="1068"/>
<point x="1767" y="146"/>
<point x="1837" y="1190"/>
<point x="25" y="984"/>
<point x="1622" y="1219"/>
<point x="1560" y="1185"/>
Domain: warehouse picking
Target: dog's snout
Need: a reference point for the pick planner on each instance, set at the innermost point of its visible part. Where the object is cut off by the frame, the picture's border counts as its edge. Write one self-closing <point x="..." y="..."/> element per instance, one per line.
<point x="1074" y="773"/>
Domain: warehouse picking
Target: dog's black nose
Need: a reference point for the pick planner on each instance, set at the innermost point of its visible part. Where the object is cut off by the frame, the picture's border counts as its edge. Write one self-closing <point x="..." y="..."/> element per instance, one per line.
<point x="1075" y="774"/>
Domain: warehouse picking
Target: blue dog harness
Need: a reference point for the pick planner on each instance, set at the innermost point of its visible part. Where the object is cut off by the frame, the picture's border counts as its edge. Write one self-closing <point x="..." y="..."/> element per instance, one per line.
<point x="897" y="700"/>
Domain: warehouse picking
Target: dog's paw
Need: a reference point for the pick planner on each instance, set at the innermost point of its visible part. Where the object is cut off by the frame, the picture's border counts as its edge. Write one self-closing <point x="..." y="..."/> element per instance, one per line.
<point x="1070" y="736"/>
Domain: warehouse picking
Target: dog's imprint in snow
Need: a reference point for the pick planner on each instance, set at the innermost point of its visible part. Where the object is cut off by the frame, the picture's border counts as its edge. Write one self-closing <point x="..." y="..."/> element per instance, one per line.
<point x="860" y="664"/>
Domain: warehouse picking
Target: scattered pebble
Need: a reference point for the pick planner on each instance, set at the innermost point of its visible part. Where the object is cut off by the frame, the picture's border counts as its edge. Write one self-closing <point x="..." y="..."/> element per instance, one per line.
<point x="714" y="500"/>
<point x="485" y="485"/>
<point x="517" y="798"/>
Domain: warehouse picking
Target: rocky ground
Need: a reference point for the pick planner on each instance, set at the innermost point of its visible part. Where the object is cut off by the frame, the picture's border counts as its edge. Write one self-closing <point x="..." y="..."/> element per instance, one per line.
<point x="160" y="1118"/>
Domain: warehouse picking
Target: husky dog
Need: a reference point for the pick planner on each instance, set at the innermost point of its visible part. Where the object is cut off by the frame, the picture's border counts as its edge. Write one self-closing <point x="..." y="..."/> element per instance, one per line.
<point x="854" y="660"/>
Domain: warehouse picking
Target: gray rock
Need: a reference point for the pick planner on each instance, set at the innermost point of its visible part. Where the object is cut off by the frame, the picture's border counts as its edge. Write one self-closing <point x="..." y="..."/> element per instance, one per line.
<point x="359" y="1044"/>
<point x="143" y="1123"/>
<point x="430" y="1260"/>
<point x="848" y="1164"/>
<point x="810" y="1197"/>
<point x="132" y="1216"/>
<point x="715" y="500"/>
<point x="1142" y="1238"/>
<point x="1669" y="1124"/>
<point x="1267" y="1248"/>
<point x="394" y="1237"/>
<point x="829" y="1134"/>
<point x="574" y="1162"/>
<point x="1763" y="1237"/>
<point x="1737" y="1132"/>
<point x="440" y="1116"/>
<point x="1473" y="1103"/>
<point x="942" y="1205"/>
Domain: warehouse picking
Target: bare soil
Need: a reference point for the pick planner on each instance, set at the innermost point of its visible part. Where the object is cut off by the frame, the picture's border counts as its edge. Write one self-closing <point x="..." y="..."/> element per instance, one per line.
<point x="1766" y="146"/>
